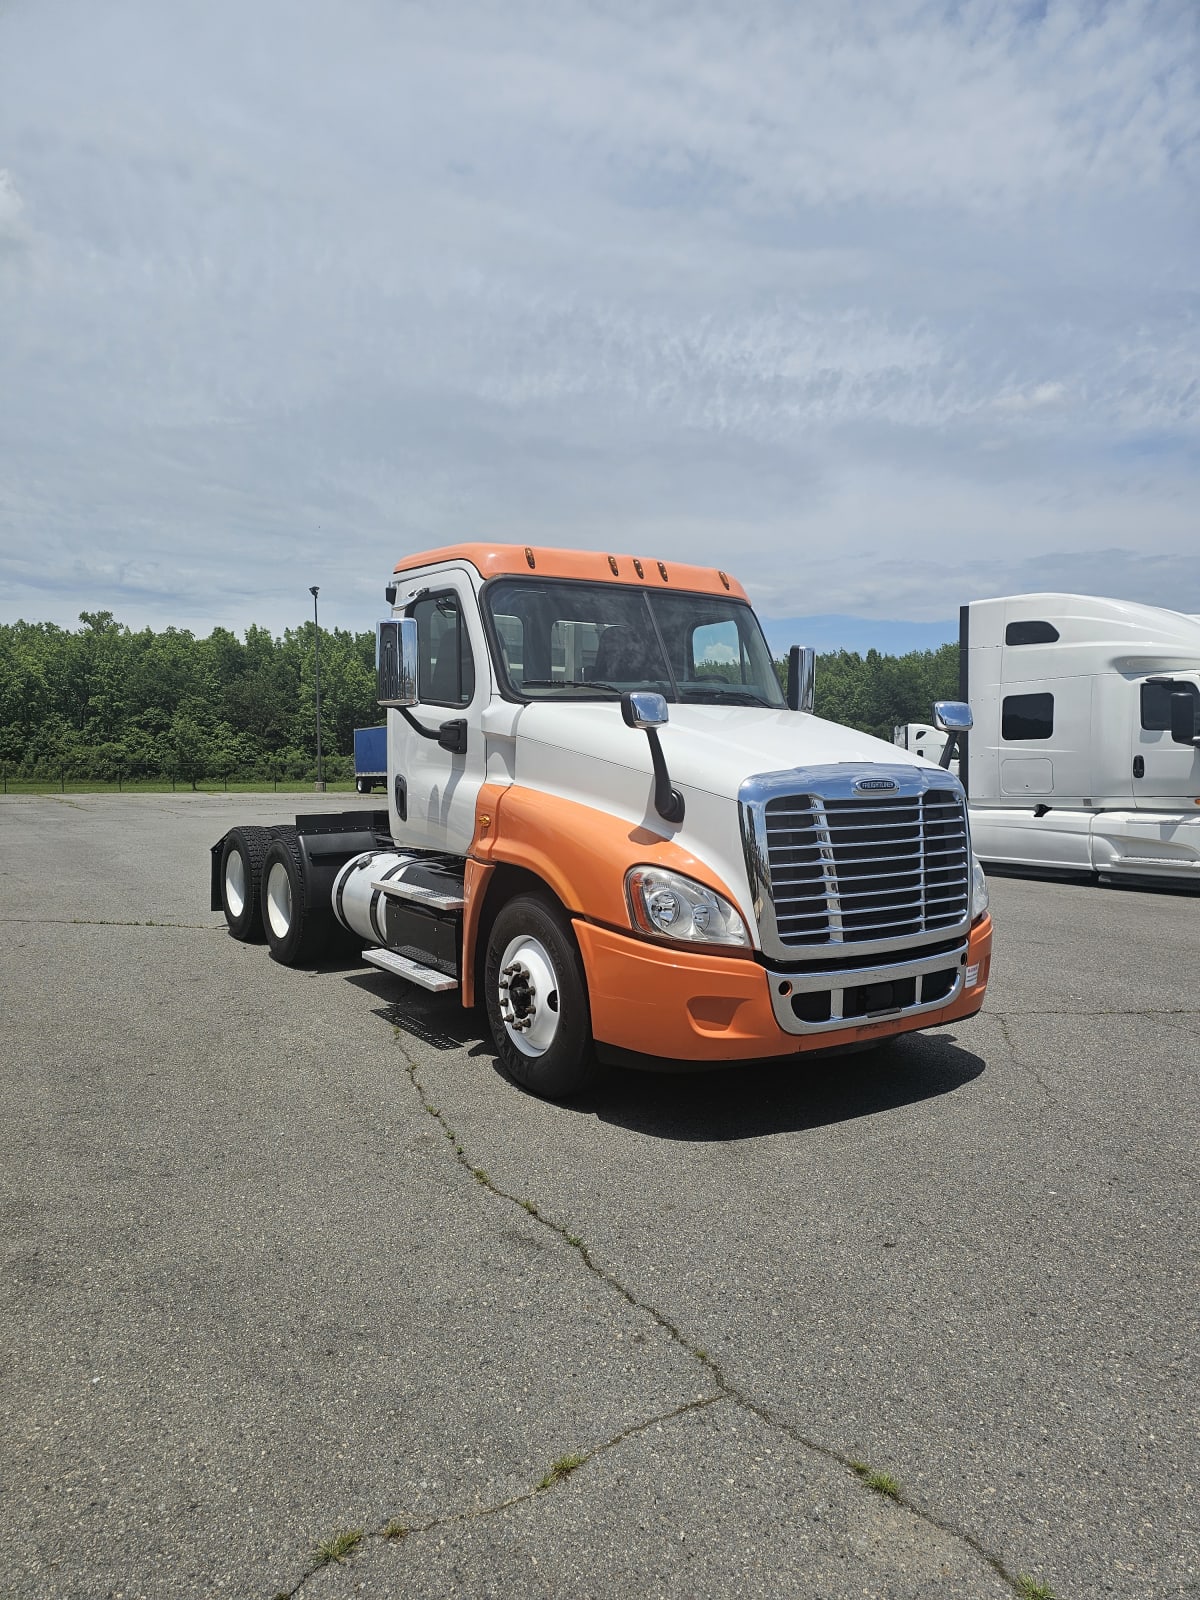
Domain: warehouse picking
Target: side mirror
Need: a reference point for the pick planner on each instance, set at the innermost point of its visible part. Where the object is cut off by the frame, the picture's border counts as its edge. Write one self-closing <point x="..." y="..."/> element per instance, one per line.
<point x="396" y="662"/>
<point x="952" y="716"/>
<point x="801" y="677"/>
<point x="1183" y="717"/>
<point x="642" y="708"/>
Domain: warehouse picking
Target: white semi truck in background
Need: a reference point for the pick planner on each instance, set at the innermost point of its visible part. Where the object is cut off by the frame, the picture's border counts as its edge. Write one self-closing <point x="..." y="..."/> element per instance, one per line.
<point x="1084" y="756"/>
<point x="608" y="822"/>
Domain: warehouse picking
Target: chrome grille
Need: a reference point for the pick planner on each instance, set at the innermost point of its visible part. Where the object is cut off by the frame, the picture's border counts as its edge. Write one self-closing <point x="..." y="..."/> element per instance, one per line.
<point x="860" y="870"/>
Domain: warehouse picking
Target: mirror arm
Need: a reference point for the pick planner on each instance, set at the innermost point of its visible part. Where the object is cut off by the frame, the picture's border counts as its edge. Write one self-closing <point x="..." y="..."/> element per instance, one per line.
<point x="451" y="735"/>
<point x="668" y="802"/>
<point x="417" y="727"/>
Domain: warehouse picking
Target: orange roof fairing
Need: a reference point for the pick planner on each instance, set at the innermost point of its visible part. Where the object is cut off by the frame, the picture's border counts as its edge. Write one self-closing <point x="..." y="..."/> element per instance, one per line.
<point x="519" y="560"/>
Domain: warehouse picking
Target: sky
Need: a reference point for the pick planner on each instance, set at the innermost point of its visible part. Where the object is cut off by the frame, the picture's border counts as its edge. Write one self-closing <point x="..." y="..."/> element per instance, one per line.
<point x="883" y="306"/>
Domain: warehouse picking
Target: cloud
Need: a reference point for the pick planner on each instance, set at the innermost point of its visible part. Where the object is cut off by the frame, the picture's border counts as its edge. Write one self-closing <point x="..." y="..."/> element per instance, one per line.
<point x="1035" y="399"/>
<point x="849" y="299"/>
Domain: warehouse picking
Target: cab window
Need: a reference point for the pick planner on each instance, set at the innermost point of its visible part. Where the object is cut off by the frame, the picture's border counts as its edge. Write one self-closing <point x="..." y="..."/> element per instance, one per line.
<point x="1027" y="716"/>
<point x="446" y="666"/>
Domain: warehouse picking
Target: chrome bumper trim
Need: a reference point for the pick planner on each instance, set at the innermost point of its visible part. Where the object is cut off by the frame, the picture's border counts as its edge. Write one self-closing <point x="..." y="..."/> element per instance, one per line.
<point x="838" y="982"/>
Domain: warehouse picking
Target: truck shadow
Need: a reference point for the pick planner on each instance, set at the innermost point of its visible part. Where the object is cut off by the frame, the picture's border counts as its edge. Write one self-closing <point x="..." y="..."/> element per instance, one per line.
<point x="744" y="1100"/>
<point x="749" y="1099"/>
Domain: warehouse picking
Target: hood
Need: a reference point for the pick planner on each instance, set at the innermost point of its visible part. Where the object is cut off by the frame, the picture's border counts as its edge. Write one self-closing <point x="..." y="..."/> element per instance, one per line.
<point x="709" y="748"/>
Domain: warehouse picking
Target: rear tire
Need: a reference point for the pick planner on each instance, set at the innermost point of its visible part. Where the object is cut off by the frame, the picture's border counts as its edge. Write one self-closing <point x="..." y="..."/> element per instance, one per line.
<point x="536" y="997"/>
<point x="242" y="859"/>
<point x="298" y="932"/>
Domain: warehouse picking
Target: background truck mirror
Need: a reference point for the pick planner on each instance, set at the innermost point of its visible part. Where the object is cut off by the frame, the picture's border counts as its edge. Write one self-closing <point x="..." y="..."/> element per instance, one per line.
<point x="1183" y="717"/>
<point x="396" y="662"/>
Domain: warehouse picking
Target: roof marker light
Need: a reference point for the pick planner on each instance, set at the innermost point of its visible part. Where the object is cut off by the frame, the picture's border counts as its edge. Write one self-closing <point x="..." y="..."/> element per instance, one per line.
<point x="529" y="556"/>
<point x="662" y="572"/>
<point x="612" y="561"/>
<point x="723" y="579"/>
<point x="637" y="567"/>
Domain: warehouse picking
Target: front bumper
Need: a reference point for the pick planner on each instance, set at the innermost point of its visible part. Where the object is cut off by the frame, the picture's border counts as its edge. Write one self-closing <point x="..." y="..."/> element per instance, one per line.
<point x="681" y="1005"/>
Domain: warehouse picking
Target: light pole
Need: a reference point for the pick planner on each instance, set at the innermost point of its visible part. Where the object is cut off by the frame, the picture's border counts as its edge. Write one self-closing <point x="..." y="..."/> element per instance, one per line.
<point x="317" y="627"/>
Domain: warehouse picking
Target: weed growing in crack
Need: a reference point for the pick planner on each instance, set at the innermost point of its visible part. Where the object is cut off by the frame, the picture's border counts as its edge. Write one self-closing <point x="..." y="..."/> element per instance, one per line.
<point x="562" y="1468"/>
<point x="480" y="1175"/>
<point x="396" y="1529"/>
<point x="1031" y="1589"/>
<point x="882" y="1482"/>
<point x="573" y="1238"/>
<point x="337" y="1548"/>
<point x="530" y="1207"/>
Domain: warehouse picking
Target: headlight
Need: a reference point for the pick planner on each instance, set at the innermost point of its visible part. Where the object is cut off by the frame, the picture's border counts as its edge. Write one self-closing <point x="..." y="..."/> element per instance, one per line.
<point x="979" y="889"/>
<point x="671" y="906"/>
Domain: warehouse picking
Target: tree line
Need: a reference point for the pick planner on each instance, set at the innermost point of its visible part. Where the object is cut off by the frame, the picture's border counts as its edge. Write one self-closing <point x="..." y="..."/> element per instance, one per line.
<point x="102" y="701"/>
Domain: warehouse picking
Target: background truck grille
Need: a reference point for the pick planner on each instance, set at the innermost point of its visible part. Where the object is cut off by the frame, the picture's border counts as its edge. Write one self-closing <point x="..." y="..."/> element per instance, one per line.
<point x="851" y="870"/>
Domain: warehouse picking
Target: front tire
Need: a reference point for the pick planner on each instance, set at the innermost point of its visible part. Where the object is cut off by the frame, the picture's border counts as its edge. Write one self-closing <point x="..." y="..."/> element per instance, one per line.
<point x="536" y="998"/>
<point x="242" y="859"/>
<point x="298" y="932"/>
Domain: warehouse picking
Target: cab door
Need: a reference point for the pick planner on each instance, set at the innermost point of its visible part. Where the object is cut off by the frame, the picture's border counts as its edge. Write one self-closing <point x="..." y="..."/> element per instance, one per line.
<point x="436" y="751"/>
<point x="1165" y="774"/>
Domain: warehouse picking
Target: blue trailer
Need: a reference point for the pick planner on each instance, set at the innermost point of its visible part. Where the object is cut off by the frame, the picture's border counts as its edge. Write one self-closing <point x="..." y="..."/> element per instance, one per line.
<point x="370" y="759"/>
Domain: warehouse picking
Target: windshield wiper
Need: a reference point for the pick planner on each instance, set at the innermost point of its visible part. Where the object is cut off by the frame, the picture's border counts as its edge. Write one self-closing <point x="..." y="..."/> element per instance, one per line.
<point x="737" y="697"/>
<point x="568" y="683"/>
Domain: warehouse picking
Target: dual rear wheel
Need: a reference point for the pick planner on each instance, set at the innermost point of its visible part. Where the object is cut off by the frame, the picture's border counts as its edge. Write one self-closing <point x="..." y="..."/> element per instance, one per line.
<point x="264" y="893"/>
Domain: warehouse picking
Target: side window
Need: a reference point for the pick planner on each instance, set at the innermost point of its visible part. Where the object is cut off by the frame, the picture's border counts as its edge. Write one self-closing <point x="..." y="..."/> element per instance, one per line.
<point x="445" y="663"/>
<point x="1027" y="716"/>
<point x="717" y="652"/>
<point x="1156" y="704"/>
<point x="1031" y="633"/>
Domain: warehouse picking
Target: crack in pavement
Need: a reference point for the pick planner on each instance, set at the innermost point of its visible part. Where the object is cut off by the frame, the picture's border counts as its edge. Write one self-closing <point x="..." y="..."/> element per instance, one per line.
<point x="105" y="922"/>
<point x="727" y="1390"/>
<point x="393" y="1533"/>
<point x="1100" y="1011"/>
<point x="1019" y="1061"/>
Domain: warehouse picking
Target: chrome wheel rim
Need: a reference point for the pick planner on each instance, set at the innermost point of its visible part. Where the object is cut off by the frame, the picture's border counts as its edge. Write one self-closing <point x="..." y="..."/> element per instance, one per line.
<point x="235" y="883"/>
<point x="279" y="900"/>
<point x="527" y="986"/>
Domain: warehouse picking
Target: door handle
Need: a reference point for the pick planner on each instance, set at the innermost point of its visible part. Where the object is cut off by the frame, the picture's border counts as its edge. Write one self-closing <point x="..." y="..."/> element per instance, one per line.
<point x="1139" y="766"/>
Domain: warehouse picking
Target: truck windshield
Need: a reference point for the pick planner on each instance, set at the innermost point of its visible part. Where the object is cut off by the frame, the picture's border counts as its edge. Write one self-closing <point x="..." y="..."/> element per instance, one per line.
<point x="592" y="641"/>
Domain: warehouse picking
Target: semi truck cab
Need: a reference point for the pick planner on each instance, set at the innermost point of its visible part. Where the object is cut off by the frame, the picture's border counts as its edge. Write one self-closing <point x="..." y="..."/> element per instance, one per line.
<point x="609" y="823"/>
<point x="1085" y="754"/>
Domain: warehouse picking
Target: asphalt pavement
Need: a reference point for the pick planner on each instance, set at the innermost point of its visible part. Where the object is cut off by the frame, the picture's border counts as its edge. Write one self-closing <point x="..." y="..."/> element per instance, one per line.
<point x="288" y="1260"/>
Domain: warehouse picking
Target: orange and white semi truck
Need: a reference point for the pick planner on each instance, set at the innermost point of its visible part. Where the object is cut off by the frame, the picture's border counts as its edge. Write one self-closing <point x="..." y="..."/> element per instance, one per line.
<point x="609" y="824"/>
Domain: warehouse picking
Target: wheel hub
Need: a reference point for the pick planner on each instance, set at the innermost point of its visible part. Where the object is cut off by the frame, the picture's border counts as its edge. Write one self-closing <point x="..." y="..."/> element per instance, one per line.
<point x="518" y="997"/>
<point x="527" y="986"/>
